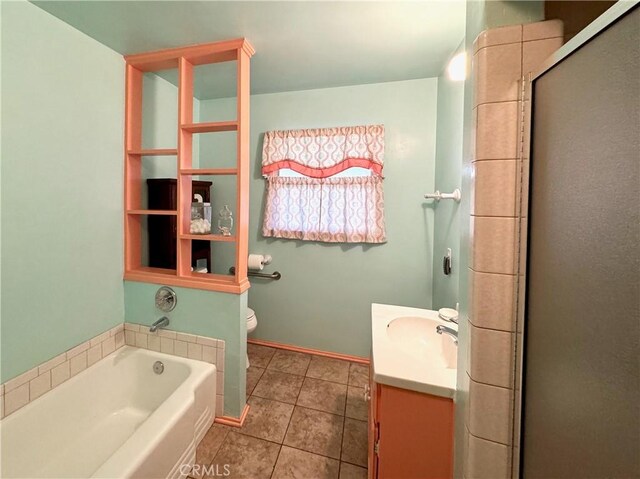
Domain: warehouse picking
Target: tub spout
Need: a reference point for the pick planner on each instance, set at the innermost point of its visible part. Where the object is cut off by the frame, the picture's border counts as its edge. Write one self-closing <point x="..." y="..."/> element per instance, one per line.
<point x="163" y="322"/>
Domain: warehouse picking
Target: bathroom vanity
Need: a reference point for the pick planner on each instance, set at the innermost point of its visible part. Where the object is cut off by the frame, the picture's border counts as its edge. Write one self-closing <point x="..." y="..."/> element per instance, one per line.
<point x="411" y="388"/>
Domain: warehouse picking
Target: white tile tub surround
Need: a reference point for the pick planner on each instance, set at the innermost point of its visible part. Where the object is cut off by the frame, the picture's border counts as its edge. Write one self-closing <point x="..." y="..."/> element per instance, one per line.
<point x="184" y="345"/>
<point x="30" y="385"/>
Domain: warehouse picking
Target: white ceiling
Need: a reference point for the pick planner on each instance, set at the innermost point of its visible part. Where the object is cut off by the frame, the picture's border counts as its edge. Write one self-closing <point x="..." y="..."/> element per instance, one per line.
<point x="299" y="45"/>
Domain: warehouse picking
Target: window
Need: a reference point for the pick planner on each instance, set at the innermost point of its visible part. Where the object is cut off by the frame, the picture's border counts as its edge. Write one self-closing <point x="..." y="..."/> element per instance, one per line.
<point x="325" y="184"/>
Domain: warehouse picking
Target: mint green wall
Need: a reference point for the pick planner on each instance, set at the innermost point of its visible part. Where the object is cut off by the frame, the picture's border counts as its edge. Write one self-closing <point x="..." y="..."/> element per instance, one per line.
<point x="480" y="15"/>
<point x="448" y="177"/>
<point x="206" y="313"/>
<point x="62" y="116"/>
<point x="498" y="13"/>
<point x="324" y="298"/>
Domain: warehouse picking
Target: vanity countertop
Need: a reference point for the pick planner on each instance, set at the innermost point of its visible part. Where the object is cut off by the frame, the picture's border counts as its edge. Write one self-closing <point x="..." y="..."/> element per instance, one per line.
<point x="409" y="354"/>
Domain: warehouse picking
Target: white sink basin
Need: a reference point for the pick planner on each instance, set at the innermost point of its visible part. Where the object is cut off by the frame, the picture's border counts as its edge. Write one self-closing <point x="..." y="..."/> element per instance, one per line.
<point x="408" y="353"/>
<point x="412" y="329"/>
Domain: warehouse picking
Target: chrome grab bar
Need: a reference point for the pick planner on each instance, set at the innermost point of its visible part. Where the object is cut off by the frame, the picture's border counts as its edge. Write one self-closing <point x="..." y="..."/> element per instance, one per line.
<point x="275" y="275"/>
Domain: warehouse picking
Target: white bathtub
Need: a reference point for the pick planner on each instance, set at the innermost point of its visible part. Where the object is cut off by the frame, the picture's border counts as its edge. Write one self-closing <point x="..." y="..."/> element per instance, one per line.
<point x="117" y="419"/>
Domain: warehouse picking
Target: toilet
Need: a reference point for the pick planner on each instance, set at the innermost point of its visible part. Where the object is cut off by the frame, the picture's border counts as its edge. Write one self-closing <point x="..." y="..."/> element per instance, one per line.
<point x="252" y="323"/>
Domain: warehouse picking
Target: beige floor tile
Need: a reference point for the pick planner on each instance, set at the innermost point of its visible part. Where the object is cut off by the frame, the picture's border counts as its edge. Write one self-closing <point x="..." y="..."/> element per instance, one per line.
<point x="323" y="395"/>
<point x="259" y="355"/>
<point x="208" y="448"/>
<point x="349" y="471"/>
<point x="358" y="375"/>
<point x="279" y="386"/>
<point x="315" y="431"/>
<point x="297" y="464"/>
<point x="290" y="362"/>
<point x="245" y="457"/>
<point x="354" y="443"/>
<point x="254" y="374"/>
<point x="357" y="407"/>
<point x="267" y="419"/>
<point x="329" y="369"/>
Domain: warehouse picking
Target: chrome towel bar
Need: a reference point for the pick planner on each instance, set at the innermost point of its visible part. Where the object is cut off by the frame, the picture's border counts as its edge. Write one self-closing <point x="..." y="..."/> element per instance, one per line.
<point x="275" y="275"/>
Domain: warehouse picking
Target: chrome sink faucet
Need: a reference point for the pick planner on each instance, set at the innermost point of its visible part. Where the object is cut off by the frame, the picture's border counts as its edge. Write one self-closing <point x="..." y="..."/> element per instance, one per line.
<point x="163" y="322"/>
<point x="442" y="329"/>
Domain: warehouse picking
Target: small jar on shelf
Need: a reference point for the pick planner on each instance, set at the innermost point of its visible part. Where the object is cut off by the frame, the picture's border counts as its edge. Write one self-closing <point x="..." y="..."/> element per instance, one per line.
<point x="200" y="217"/>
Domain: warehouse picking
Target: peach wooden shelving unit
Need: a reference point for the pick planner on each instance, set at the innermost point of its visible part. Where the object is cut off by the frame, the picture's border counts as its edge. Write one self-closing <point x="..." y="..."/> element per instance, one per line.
<point x="184" y="59"/>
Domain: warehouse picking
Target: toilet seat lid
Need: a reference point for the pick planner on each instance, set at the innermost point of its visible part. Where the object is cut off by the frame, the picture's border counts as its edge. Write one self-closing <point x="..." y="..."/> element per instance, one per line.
<point x="250" y="314"/>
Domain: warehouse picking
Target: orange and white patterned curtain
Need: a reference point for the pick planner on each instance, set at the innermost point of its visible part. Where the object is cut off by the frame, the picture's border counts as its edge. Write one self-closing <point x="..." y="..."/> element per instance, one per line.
<point x="323" y="202"/>
<point x="324" y="152"/>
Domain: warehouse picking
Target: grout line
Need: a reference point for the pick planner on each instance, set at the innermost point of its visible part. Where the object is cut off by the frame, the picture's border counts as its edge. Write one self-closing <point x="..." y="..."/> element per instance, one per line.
<point x="258" y="438"/>
<point x="270" y="359"/>
<point x="361" y="466"/>
<point x="344" y="425"/>
<point x="320" y="410"/>
<point x="513" y="275"/>
<point x="480" y="160"/>
<point x="508" y="446"/>
<point x="314" y="453"/>
<point x="495" y="102"/>
<point x="495" y="216"/>
<point x="224" y="441"/>
<point x="256" y="384"/>
<point x="273" y="469"/>
<point x="490" y="329"/>
<point x="487" y="384"/>
<point x="226" y="433"/>
<point x="499" y="45"/>
<point x="329" y="381"/>
<point x="542" y="39"/>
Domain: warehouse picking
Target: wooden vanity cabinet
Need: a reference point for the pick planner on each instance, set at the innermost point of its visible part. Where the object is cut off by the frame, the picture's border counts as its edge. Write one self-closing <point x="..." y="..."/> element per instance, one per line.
<point x="162" y="194"/>
<point x="410" y="434"/>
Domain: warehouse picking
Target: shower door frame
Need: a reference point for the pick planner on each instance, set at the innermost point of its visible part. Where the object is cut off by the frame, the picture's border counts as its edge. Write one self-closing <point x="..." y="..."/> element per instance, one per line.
<point x="607" y="19"/>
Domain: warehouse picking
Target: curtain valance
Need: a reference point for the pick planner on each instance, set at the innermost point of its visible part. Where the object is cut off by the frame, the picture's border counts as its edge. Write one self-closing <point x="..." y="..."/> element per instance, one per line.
<point x="324" y="152"/>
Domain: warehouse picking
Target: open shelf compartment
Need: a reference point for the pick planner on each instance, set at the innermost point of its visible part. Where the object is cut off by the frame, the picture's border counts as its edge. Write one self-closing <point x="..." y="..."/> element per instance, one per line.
<point x="184" y="59"/>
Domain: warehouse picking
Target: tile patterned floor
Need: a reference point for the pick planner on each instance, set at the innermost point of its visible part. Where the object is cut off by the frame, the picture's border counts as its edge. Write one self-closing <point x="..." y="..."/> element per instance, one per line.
<point x="308" y="420"/>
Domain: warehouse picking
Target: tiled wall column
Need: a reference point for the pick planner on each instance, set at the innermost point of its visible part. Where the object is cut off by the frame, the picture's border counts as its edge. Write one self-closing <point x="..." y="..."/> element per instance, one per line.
<point x="501" y="57"/>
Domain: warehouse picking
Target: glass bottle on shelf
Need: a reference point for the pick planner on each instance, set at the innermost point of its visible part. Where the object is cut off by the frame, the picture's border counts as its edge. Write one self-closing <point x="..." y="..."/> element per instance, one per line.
<point x="225" y="221"/>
